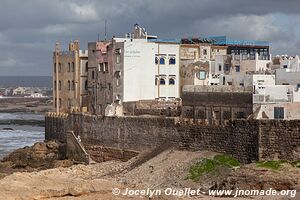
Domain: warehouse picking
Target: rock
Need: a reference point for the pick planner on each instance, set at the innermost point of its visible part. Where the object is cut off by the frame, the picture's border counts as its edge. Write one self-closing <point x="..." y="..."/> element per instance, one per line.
<point x="40" y="156"/>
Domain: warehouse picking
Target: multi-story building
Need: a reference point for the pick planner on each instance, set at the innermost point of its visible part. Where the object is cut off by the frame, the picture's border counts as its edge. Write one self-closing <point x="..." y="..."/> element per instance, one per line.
<point x="289" y="71"/>
<point x="100" y="76"/>
<point x="235" y="46"/>
<point x="137" y="67"/>
<point x="196" y="62"/>
<point x="70" y="78"/>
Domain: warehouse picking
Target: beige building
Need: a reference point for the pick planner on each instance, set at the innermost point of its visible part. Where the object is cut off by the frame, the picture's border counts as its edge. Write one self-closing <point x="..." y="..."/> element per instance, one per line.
<point x="70" y="78"/>
<point x="217" y="51"/>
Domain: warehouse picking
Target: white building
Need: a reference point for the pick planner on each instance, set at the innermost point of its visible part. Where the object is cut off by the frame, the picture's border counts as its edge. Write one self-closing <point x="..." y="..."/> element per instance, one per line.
<point x="289" y="71"/>
<point x="150" y="69"/>
<point x="248" y="80"/>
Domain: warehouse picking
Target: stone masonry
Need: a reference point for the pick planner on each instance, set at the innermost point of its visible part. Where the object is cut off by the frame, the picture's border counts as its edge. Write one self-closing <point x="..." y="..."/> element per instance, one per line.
<point x="247" y="140"/>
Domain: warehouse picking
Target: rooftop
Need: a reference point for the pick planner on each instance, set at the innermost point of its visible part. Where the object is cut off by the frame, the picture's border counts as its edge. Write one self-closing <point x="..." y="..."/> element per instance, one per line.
<point x="223" y="40"/>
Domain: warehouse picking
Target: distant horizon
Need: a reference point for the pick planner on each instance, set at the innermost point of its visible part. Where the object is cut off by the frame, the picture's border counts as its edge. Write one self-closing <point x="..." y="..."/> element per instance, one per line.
<point x="25" y="75"/>
<point x="25" y="81"/>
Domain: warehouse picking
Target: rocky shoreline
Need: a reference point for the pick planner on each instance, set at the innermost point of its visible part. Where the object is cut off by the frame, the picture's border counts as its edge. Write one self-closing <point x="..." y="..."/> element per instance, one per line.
<point x="38" y="157"/>
<point x="42" y="171"/>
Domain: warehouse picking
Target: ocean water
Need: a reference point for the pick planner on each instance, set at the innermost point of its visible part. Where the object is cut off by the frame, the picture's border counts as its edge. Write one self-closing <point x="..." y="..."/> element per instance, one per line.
<point x="26" y="81"/>
<point x="19" y="136"/>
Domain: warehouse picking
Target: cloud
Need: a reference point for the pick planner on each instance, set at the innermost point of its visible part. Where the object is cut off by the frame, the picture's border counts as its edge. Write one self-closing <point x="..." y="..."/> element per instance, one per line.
<point x="29" y="29"/>
<point x="8" y="62"/>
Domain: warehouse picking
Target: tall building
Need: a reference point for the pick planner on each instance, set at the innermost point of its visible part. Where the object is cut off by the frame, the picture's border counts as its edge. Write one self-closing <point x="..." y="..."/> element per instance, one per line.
<point x="136" y="67"/>
<point x="70" y="78"/>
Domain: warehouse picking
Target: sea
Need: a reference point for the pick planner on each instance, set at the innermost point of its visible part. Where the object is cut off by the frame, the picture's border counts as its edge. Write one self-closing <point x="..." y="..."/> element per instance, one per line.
<point x="13" y="137"/>
<point x="25" y="81"/>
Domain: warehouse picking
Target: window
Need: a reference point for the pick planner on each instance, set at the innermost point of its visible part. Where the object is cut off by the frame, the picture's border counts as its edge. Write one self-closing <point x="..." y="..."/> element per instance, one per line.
<point x="73" y="85"/>
<point x="54" y="67"/>
<point x="73" y="67"/>
<point x="93" y="75"/>
<point x="69" y="67"/>
<point x="118" y="59"/>
<point x="59" y="67"/>
<point x="278" y="113"/>
<point x="100" y="67"/>
<point x="117" y="74"/>
<point x="285" y="66"/>
<point x="86" y="67"/>
<point x="156" y="60"/>
<point x="172" y="61"/>
<point x="59" y="85"/>
<point x="54" y="85"/>
<point x="69" y="85"/>
<point x="162" y="81"/>
<point x="227" y="67"/>
<point x="156" y="80"/>
<point x="204" y="51"/>
<point x="240" y="115"/>
<point x="86" y="85"/>
<point x="171" y="81"/>
<point x="60" y="102"/>
<point x="105" y="67"/>
<point x="220" y="67"/>
<point x="162" y="61"/>
<point x="237" y="68"/>
<point x="202" y="75"/>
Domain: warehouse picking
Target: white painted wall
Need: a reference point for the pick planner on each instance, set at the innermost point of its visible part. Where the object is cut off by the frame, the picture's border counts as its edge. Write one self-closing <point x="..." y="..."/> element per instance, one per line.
<point x="248" y="80"/>
<point x="168" y="71"/>
<point x="140" y="70"/>
<point x="291" y="63"/>
<point x="286" y="76"/>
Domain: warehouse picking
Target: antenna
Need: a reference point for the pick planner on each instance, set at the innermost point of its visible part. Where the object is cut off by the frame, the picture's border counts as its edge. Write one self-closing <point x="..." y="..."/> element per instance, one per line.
<point x="105" y="30"/>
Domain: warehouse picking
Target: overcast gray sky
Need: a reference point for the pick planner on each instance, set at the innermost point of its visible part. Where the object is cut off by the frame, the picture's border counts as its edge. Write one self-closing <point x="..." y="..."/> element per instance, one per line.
<point x="29" y="28"/>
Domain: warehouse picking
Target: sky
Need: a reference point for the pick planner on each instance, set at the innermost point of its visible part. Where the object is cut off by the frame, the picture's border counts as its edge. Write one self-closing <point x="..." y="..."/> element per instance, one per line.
<point x="30" y="28"/>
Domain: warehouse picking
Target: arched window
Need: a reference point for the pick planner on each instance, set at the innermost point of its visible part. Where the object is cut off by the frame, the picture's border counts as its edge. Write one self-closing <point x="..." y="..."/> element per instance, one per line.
<point x="171" y="81"/>
<point x="156" y="60"/>
<point x="73" y="67"/>
<point x="86" y="85"/>
<point x="69" y="67"/>
<point x="54" y="67"/>
<point x="73" y="85"/>
<point x="59" y="67"/>
<point x="162" y="81"/>
<point x="86" y="67"/>
<point x="69" y="85"/>
<point x="172" y="61"/>
<point x="162" y="61"/>
<point x="59" y="85"/>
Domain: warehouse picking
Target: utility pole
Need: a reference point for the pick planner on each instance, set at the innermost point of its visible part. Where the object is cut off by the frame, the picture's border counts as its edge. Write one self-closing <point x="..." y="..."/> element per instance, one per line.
<point x="105" y="30"/>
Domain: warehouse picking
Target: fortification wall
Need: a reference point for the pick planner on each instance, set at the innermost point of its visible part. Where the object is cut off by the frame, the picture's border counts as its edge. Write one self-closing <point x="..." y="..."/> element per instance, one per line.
<point x="247" y="140"/>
